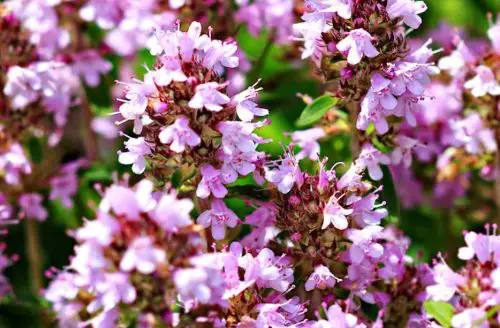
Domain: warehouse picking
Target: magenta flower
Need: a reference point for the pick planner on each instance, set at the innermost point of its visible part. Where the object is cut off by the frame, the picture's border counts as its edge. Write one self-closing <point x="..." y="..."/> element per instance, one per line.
<point x="285" y="174"/>
<point x="218" y="217"/>
<point x="89" y="65"/>
<point x="364" y="244"/>
<point x="65" y="184"/>
<point x="211" y="183"/>
<point x="479" y="245"/>
<point x="335" y="214"/>
<point x="124" y="201"/>
<point x="403" y="151"/>
<point x="14" y="162"/>
<point x="99" y="231"/>
<point x="31" y="206"/>
<point x="207" y="96"/>
<point x="115" y="287"/>
<point x="446" y="283"/>
<point x="178" y="135"/>
<point x="357" y="44"/>
<point x="218" y="54"/>
<point x="474" y="317"/>
<point x="321" y="278"/>
<point x="245" y="108"/>
<point x="366" y="212"/>
<point x="105" y="319"/>
<point x="483" y="83"/>
<point x="142" y="256"/>
<point x="172" y="213"/>
<point x="22" y="86"/>
<point x="133" y="110"/>
<point x="239" y="136"/>
<point x="137" y="149"/>
<point x="171" y="70"/>
<point x="408" y="10"/>
<point x="307" y="140"/>
<point x="371" y="158"/>
<point x="338" y="318"/>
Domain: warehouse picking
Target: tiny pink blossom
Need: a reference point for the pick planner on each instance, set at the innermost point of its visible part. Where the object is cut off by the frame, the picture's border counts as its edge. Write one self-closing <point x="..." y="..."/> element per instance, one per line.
<point x="207" y="96"/>
<point x="178" y="135"/>
<point x="142" y="256"/>
<point x="408" y="10"/>
<point x="357" y="44"/>
<point x="335" y="214"/>
<point x="321" y="278"/>
<point x="31" y="206"/>
<point x="218" y="217"/>
<point x="137" y="149"/>
<point x="483" y="83"/>
<point x="211" y="183"/>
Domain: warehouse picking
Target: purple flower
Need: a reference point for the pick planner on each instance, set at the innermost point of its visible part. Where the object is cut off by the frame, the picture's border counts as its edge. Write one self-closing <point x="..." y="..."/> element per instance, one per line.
<point x="207" y="96"/>
<point x="364" y="244"/>
<point x="483" y="83"/>
<point x="198" y="285"/>
<point x="127" y="202"/>
<point x="171" y="70"/>
<point x="245" y="108"/>
<point x="446" y="283"/>
<point x="137" y="149"/>
<point x="479" y="245"/>
<point x="105" y="127"/>
<point x="14" y="162"/>
<point x="89" y="65"/>
<point x="106" y="13"/>
<point x="242" y="163"/>
<point x="64" y="185"/>
<point x="402" y="153"/>
<point x="238" y="136"/>
<point x="408" y="10"/>
<point x="211" y="183"/>
<point x="335" y="214"/>
<point x="5" y="208"/>
<point x="178" y="135"/>
<point x="99" y="231"/>
<point x="22" y="86"/>
<point x="115" y="287"/>
<point x="171" y="213"/>
<point x="456" y="62"/>
<point x="286" y="173"/>
<point x="474" y="317"/>
<point x="338" y="318"/>
<point x="142" y="256"/>
<point x="366" y="212"/>
<point x="321" y="278"/>
<point x="308" y="141"/>
<point x="267" y="270"/>
<point x="105" y="319"/>
<point x="218" y="217"/>
<point x="31" y="206"/>
<point x="371" y="158"/>
<point x="133" y="110"/>
<point x="471" y="133"/>
<point x="357" y="44"/>
<point x="218" y="54"/>
<point x="494" y="35"/>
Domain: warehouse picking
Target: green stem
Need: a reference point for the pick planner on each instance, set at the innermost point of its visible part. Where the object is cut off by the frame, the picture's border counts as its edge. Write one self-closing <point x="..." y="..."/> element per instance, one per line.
<point x="32" y="244"/>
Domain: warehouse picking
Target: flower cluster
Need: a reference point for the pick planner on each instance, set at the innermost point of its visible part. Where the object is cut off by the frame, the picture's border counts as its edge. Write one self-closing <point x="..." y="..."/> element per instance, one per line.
<point x="473" y="290"/>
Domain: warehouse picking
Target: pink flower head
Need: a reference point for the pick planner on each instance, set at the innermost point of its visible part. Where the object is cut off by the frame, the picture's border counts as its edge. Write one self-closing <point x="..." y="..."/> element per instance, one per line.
<point x="403" y="151"/>
<point x="446" y="283"/>
<point x="366" y="212"/>
<point x="474" y="317"/>
<point x="239" y="136"/>
<point x="338" y="318"/>
<point x="357" y="44"/>
<point x="22" y="86"/>
<point x="483" y="83"/>
<point x="207" y="96"/>
<point x="285" y="174"/>
<point x="89" y="65"/>
<point x="99" y="231"/>
<point x="142" y="256"/>
<point x="31" y="206"/>
<point x="178" y="135"/>
<point x="218" y="217"/>
<point x="408" y="10"/>
<point x="172" y="213"/>
<point x="308" y="141"/>
<point x="335" y="214"/>
<point x="171" y="70"/>
<point x="364" y="244"/>
<point x="480" y="245"/>
<point x="65" y="184"/>
<point x="137" y="149"/>
<point x="218" y="54"/>
<point x="114" y="288"/>
<point x="494" y="35"/>
<point x="133" y="110"/>
<point x="212" y="182"/>
<point x="246" y="108"/>
<point x="124" y="201"/>
<point x="371" y="158"/>
<point x="14" y="162"/>
<point x="321" y="278"/>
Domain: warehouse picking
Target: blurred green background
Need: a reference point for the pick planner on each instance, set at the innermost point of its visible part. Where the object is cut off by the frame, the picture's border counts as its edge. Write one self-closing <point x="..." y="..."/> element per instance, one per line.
<point x="431" y="231"/>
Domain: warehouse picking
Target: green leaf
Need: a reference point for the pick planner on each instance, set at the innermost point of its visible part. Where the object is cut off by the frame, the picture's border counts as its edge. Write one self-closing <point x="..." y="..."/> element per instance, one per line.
<point x="316" y="110"/>
<point x="35" y="149"/>
<point x="441" y="311"/>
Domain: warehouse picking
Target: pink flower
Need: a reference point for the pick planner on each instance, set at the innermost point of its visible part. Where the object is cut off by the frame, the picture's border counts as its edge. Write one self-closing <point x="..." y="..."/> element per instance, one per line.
<point x="446" y="283"/>
<point x="99" y="231"/>
<point x="14" y="162"/>
<point x="483" y="83"/>
<point x="89" y="65"/>
<point x="408" y="10"/>
<point x="364" y="244"/>
<point x="219" y="54"/>
<point x="338" y="318"/>
<point x="321" y="278"/>
<point x="115" y="287"/>
<point x="170" y="70"/>
<point x="308" y="141"/>
<point x="494" y="35"/>
<point x="245" y="108"/>
<point x="218" y="216"/>
<point x="357" y="43"/>
<point x="402" y="153"/>
<point x="479" y="245"/>
<point x="366" y="212"/>
<point x="473" y="317"/>
<point x="133" y="110"/>
<point x="238" y="136"/>
<point x="105" y="319"/>
<point x="142" y="256"/>
<point x="22" y="86"/>
<point x="172" y="213"/>
<point x="207" y="96"/>
<point x="371" y="158"/>
<point x="335" y="214"/>
<point x="137" y="149"/>
<point x="178" y="135"/>
<point x="211" y="183"/>
<point x="124" y="201"/>
<point x="285" y="174"/>
<point x="31" y="206"/>
<point x="65" y="184"/>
